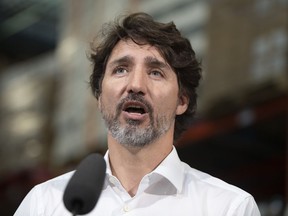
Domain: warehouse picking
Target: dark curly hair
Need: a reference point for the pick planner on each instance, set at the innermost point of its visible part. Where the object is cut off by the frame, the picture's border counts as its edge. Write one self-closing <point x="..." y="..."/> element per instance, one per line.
<point x="176" y="50"/>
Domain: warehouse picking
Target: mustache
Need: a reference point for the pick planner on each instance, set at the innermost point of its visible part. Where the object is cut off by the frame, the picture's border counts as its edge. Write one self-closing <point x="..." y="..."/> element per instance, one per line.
<point x="136" y="97"/>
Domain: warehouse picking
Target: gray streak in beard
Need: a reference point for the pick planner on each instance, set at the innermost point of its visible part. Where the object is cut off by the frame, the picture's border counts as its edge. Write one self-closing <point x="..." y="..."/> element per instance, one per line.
<point x="132" y="135"/>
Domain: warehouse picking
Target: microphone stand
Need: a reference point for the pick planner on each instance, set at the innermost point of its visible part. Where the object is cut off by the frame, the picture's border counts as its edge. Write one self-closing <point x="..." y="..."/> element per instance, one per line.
<point x="76" y="208"/>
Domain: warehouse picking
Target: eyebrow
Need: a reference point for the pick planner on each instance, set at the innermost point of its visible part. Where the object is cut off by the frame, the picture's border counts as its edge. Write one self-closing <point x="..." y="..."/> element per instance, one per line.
<point x="123" y="60"/>
<point x="154" y="62"/>
<point x="149" y="61"/>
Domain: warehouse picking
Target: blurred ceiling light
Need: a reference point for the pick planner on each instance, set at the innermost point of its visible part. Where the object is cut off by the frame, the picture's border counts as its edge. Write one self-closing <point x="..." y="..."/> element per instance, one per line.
<point x="67" y="47"/>
<point x="20" y="95"/>
<point x="26" y="124"/>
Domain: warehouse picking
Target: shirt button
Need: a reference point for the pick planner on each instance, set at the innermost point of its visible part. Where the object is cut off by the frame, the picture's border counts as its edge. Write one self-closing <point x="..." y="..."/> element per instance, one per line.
<point x="126" y="208"/>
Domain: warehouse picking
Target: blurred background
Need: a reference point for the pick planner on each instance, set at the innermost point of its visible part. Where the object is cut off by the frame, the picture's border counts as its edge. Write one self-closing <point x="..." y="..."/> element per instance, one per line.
<point x="49" y="120"/>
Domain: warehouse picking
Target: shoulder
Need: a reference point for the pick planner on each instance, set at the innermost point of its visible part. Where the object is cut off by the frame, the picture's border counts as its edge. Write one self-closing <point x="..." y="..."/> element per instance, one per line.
<point x="50" y="189"/>
<point x="45" y="197"/>
<point x="216" y="193"/>
<point x="212" y="187"/>
<point x="206" y="181"/>
<point x="55" y="184"/>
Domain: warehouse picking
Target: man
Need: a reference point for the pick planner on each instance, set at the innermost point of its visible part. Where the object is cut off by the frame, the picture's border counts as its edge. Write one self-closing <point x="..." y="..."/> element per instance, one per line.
<point x="145" y="77"/>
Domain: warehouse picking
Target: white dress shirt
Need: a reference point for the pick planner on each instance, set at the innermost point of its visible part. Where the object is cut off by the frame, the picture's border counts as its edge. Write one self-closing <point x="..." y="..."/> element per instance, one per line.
<point x="173" y="188"/>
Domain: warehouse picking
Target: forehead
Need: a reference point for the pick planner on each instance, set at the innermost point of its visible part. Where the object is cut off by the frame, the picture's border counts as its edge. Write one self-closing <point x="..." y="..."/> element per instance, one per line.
<point x="129" y="47"/>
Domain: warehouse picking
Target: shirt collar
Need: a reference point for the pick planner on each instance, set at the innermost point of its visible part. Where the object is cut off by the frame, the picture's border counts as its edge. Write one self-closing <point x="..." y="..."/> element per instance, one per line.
<point x="108" y="167"/>
<point x="170" y="168"/>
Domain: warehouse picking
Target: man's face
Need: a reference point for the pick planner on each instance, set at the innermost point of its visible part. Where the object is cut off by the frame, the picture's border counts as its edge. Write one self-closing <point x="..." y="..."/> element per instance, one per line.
<point x="140" y="94"/>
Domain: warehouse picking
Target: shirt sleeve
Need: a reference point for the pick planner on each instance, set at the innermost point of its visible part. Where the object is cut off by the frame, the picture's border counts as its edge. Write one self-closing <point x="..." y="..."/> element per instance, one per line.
<point x="30" y="205"/>
<point x="247" y="208"/>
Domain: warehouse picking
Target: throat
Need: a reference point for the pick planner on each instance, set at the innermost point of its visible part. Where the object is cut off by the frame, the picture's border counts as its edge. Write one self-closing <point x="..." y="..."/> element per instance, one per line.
<point x="132" y="191"/>
<point x="130" y="172"/>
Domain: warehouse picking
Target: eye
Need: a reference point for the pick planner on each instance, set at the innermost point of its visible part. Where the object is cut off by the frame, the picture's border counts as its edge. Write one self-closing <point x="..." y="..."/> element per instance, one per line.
<point x="120" y="70"/>
<point x="156" y="73"/>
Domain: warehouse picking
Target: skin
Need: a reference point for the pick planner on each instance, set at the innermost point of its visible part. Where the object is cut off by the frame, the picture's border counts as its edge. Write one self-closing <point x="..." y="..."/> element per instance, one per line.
<point x="142" y="70"/>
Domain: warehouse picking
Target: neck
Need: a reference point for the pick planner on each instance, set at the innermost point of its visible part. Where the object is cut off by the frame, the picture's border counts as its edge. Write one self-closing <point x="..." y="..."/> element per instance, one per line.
<point x="131" y="164"/>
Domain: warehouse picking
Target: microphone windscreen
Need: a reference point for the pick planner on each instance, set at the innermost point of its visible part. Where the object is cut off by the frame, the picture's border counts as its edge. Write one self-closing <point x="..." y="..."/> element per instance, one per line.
<point x="85" y="186"/>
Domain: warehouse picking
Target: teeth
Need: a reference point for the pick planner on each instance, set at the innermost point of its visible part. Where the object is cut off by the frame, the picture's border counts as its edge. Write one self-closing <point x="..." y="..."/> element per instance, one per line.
<point x="135" y="109"/>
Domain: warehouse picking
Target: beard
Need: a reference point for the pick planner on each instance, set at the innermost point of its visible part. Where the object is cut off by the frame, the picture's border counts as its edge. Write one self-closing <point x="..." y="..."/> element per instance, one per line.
<point x="132" y="133"/>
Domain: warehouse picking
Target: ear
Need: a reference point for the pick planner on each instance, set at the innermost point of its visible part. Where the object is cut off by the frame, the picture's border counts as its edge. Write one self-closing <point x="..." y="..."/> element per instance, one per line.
<point x="99" y="102"/>
<point x="182" y="106"/>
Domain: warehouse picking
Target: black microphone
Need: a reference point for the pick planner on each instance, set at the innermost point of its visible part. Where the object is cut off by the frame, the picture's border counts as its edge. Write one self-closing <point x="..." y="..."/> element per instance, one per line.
<point x="85" y="186"/>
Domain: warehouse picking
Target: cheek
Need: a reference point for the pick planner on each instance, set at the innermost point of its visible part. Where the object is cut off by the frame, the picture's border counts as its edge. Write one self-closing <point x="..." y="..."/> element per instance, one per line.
<point x="166" y="102"/>
<point x="113" y="88"/>
<point x="106" y="101"/>
<point x="109" y="97"/>
<point x="107" y="92"/>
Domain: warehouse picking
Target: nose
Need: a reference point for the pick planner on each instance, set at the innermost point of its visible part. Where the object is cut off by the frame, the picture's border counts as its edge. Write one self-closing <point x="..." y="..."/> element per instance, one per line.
<point x="137" y="82"/>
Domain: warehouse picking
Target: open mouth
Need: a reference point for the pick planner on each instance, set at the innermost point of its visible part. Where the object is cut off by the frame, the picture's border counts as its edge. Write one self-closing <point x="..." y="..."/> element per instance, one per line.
<point x="135" y="107"/>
